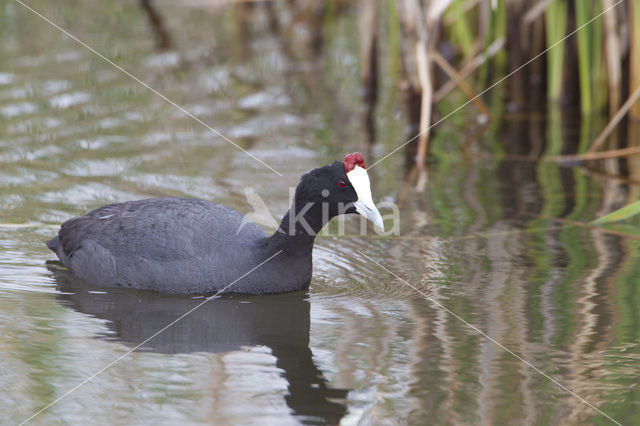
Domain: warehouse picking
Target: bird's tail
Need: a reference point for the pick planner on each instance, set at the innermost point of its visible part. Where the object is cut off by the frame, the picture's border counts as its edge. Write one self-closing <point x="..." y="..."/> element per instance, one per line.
<point x="53" y="244"/>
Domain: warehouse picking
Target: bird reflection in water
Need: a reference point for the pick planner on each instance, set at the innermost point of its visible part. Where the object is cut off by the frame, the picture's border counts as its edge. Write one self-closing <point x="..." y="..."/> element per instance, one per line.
<point x="229" y="323"/>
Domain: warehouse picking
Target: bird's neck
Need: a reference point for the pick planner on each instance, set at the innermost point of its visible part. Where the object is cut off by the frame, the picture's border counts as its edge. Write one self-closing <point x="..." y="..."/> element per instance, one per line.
<point x="299" y="226"/>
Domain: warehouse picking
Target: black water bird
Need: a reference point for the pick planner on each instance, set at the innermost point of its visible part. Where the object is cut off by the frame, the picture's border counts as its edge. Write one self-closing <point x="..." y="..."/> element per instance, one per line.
<point x="180" y="245"/>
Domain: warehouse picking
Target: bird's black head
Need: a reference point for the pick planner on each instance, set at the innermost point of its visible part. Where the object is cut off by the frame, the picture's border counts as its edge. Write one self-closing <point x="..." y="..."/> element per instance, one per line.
<point x="335" y="189"/>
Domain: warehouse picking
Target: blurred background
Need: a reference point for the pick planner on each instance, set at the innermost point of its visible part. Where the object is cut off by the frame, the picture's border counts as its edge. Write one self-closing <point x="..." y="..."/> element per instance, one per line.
<point x="496" y="201"/>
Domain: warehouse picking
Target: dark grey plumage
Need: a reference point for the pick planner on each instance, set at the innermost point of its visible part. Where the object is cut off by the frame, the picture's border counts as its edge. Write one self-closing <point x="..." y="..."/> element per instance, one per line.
<point x="180" y="245"/>
<point x="162" y="244"/>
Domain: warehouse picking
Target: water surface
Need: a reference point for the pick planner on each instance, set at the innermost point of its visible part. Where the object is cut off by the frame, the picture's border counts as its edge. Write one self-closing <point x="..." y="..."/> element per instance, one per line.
<point x="484" y="239"/>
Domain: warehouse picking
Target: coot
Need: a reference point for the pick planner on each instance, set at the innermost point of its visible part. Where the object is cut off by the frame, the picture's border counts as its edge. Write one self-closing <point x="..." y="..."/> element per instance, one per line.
<point x="181" y="245"/>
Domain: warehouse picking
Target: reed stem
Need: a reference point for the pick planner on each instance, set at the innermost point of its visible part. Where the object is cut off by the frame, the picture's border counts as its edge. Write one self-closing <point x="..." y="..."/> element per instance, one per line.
<point x="556" y="28"/>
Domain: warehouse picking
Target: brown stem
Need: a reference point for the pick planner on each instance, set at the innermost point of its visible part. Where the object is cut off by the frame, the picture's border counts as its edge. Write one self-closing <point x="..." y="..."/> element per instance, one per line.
<point x="615" y="120"/>
<point x="613" y="153"/>
<point x="425" y="108"/>
<point x="459" y="81"/>
<point x="369" y="64"/>
<point x="163" y="39"/>
<point x="469" y="68"/>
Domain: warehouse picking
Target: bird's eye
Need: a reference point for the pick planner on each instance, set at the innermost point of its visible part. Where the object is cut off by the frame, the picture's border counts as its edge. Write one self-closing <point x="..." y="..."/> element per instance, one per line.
<point x="342" y="184"/>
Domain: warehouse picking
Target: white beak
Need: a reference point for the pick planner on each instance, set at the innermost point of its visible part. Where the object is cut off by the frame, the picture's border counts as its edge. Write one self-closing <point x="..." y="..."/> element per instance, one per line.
<point x="359" y="179"/>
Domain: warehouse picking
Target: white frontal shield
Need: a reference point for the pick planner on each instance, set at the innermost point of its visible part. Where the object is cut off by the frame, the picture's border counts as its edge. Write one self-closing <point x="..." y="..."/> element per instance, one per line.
<point x="359" y="179"/>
